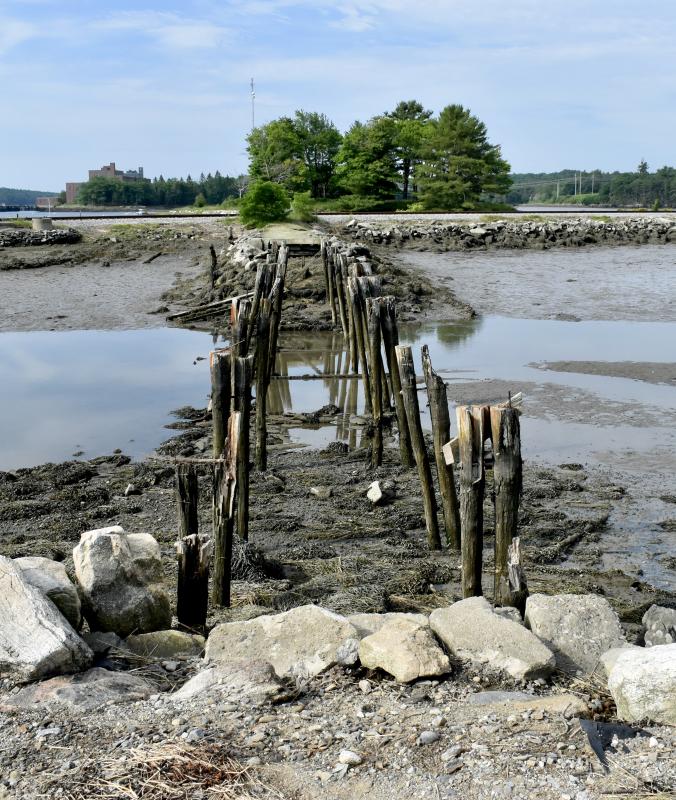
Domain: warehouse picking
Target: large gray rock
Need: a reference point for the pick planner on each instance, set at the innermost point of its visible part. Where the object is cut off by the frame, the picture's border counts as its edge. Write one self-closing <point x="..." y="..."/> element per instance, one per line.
<point x="51" y="578"/>
<point x="301" y="642"/>
<point x="579" y="628"/>
<point x="245" y="682"/>
<point x="161" y="645"/>
<point x="473" y="631"/>
<point x="121" y="579"/>
<point x="405" y="649"/>
<point x="660" y="626"/>
<point x="90" y="690"/>
<point x="608" y="659"/>
<point x="643" y="684"/>
<point x="366" y="623"/>
<point x="35" y="638"/>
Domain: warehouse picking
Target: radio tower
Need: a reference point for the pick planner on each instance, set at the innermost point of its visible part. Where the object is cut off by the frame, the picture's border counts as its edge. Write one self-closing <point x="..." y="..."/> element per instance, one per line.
<point x="253" y="105"/>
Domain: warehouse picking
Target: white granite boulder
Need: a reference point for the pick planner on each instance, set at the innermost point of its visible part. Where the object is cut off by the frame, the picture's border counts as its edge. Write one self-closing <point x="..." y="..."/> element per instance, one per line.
<point x="35" y="638"/>
<point x="405" y="649"/>
<point x="366" y="623"/>
<point x="301" y="642"/>
<point x="121" y="580"/>
<point x="660" y="626"/>
<point x="170" y="644"/>
<point x="643" y="684"/>
<point x="471" y="630"/>
<point x="578" y="628"/>
<point x="51" y="578"/>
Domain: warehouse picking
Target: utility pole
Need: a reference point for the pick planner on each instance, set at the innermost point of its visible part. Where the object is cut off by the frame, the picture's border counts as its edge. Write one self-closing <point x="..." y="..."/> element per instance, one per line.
<point x="253" y="105"/>
<point x="558" y="189"/>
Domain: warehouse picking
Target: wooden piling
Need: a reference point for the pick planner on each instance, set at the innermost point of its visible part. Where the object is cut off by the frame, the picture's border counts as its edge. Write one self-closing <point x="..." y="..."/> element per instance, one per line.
<point x="507" y="476"/>
<point x="341" y="293"/>
<point x="262" y="382"/>
<point x="186" y="499"/>
<point x="373" y="326"/>
<point x="472" y="485"/>
<point x="390" y="334"/>
<point x="242" y="369"/>
<point x="225" y="485"/>
<point x="192" y="589"/>
<point x="219" y="363"/>
<point x="240" y="326"/>
<point x="213" y="267"/>
<point x="356" y="304"/>
<point x="410" y="397"/>
<point x="441" y="432"/>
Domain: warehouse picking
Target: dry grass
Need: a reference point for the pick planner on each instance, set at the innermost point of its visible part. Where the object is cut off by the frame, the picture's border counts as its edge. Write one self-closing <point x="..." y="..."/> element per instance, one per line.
<point x="172" y="771"/>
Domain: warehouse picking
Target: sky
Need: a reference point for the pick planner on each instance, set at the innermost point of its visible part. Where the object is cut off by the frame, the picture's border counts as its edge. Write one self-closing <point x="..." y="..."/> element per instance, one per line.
<point x="575" y="84"/>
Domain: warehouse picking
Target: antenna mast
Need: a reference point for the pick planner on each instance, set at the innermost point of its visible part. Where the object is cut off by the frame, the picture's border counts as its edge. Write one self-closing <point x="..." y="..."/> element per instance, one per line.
<point x="253" y="105"/>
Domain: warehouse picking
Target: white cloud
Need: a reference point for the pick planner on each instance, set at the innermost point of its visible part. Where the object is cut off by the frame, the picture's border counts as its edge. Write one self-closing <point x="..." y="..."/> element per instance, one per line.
<point x="13" y="32"/>
<point x="169" y="30"/>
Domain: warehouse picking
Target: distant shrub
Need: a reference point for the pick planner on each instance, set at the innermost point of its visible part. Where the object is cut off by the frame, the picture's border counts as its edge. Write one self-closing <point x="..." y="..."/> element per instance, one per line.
<point x="302" y="207"/>
<point x="657" y="205"/>
<point x="263" y="203"/>
<point x="200" y="201"/>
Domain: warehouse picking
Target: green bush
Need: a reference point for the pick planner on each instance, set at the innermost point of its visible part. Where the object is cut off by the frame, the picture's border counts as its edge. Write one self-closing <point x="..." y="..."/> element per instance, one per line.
<point x="302" y="207"/>
<point x="200" y="201"/>
<point x="657" y="205"/>
<point x="263" y="203"/>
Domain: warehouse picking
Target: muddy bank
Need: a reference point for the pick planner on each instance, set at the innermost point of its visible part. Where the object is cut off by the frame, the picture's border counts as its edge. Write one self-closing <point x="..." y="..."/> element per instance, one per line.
<point x="611" y="283"/>
<point x="335" y="549"/>
<point x="496" y="233"/>
<point x="305" y="306"/>
<point x="648" y="372"/>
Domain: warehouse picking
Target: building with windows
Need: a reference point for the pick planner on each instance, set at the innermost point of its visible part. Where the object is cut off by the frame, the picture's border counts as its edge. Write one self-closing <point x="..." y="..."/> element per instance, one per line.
<point x="107" y="171"/>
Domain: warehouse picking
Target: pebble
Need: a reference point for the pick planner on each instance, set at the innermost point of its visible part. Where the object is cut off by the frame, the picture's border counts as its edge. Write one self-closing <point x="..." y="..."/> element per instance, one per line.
<point x="428" y="737"/>
<point x="365" y="686"/>
<point x="350" y="758"/>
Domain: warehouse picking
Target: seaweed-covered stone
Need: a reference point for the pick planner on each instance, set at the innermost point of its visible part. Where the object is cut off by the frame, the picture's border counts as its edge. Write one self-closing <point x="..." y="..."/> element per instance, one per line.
<point x="36" y="640"/>
<point x="121" y="579"/>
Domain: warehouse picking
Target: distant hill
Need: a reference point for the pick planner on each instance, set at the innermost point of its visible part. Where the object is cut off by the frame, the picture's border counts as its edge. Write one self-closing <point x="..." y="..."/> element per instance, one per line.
<point x="21" y="197"/>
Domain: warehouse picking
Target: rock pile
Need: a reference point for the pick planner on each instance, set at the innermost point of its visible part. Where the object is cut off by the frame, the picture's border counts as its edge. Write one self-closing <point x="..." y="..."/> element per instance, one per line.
<point x="23" y="237"/>
<point x="518" y="235"/>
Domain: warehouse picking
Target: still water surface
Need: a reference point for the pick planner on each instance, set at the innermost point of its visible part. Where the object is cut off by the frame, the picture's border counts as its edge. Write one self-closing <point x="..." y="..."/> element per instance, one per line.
<point x="97" y="390"/>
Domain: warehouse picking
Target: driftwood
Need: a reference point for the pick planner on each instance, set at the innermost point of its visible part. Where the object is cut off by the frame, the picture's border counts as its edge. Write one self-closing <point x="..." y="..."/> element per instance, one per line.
<point x="205" y="310"/>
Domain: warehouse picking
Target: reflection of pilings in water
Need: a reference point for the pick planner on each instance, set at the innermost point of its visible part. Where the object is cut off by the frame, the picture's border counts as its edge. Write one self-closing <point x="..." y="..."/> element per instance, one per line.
<point x="285" y="389"/>
<point x="351" y="408"/>
<point x="343" y="422"/>
<point x="275" y="403"/>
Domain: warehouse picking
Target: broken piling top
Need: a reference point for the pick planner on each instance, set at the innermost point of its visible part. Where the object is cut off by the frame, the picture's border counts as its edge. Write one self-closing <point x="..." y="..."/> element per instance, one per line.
<point x="42" y="224"/>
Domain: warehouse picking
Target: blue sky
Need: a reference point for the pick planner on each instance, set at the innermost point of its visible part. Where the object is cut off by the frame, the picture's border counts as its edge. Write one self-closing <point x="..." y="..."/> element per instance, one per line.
<point x="579" y="84"/>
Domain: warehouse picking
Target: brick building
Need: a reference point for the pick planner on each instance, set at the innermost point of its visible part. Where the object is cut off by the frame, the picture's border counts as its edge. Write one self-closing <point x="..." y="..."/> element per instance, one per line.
<point x="107" y="171"/>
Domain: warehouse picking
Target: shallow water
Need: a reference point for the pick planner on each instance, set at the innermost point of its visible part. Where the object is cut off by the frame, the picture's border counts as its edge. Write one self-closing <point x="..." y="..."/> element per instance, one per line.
<point x="90" y="392"/>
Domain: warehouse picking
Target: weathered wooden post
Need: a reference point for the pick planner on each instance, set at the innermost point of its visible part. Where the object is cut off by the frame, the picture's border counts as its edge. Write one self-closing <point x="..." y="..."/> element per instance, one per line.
<point x="262" y="382"/>
<point x="356" y="303"/>
<point x="517" y="577"/>
<point x="472" y="484"/>
<point x="241" y="309"/>
<point x="330" y="273"/>
<point x="507" y="476"/>
<point x="390" y="332"/>
<point x="194" y="553"/>
<point x="410" y="397"/>
<point x="373" y="325"/>
<point x="225" y="485"/>
<point x="341" y="293"/>
<point x="242" y="369"/>
<point x="219" y="363"/>
<point x="441" y="431"/>
<point x="213" y="267"/>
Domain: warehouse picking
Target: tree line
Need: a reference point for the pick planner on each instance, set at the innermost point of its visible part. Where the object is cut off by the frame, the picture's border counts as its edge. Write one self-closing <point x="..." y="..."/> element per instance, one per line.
<point x="640" y="188"/>
<point x="444" y="161"/>
<point x="208" y="190"/>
